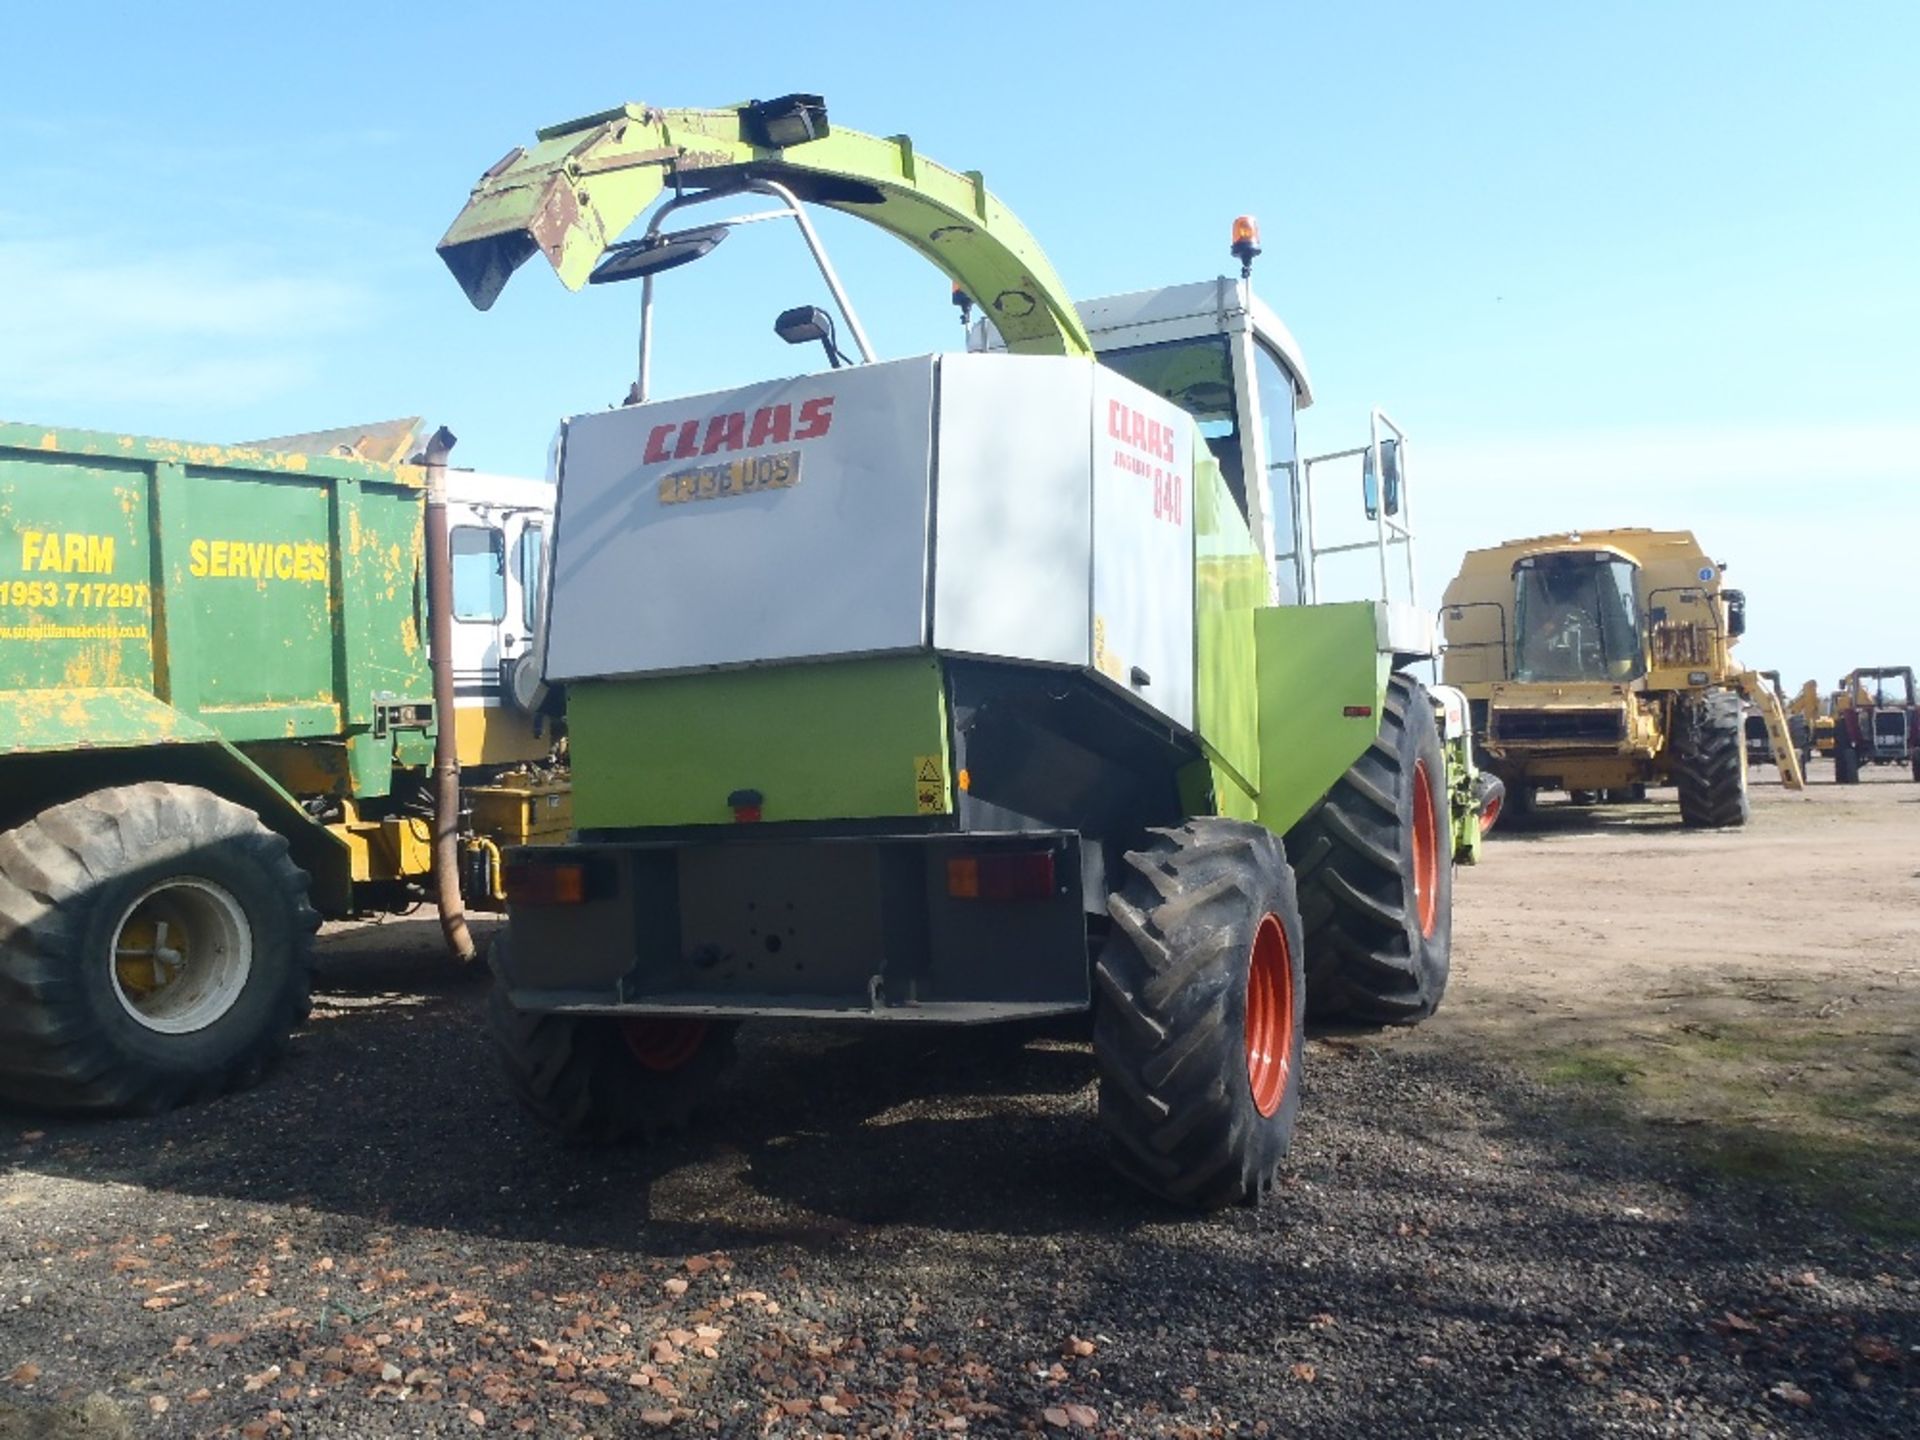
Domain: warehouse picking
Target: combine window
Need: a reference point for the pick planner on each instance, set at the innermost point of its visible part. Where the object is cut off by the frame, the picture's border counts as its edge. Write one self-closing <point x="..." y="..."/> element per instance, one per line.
<point x="1196" y="375"/>
<point x="479" y="574"/>
<point x="1276" y="418"/>
<point x="1576" y="618"/>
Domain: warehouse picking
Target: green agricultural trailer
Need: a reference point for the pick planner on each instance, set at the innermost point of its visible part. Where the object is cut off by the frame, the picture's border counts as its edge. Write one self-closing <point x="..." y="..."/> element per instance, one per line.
<point x="219" y="723"/>
<point x="960" y="688"/>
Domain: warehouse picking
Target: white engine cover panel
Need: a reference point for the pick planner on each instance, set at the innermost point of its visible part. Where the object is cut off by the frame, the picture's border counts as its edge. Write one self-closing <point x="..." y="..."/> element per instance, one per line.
<point x="781" y="521"/>
<point x="1014" y="509"/>
<point x="1143" y="545"/>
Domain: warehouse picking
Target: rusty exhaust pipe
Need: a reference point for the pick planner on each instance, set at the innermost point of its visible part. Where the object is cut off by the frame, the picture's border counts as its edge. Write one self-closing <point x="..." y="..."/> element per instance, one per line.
<point x="446" y="745"/>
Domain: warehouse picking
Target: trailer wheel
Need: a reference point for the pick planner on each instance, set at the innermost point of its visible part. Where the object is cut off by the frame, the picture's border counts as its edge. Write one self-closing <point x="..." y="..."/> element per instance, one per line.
<point x="598" y="1079"/>
<point x="1376" y="878"/>
<point x="1710" y="764"/>
<point x="1846" y="764"/>
<point x="156" y="947"/>
<point x="1199" y="1014"/>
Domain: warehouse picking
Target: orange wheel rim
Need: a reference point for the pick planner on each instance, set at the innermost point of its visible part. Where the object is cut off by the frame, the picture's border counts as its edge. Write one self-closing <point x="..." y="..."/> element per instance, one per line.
<point x="663" y="1044"/>
<point x="1426" y="851"/>
<point x="1269" y="1015"/>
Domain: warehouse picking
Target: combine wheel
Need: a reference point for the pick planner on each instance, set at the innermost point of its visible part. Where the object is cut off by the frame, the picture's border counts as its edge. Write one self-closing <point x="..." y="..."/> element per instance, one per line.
<point x="1376" y="876"/>
<point x="601" y="1079"/>
<point x="1710" y="767"/>
<point x="1198" y="1014"/>
<point x="155" y="948"/>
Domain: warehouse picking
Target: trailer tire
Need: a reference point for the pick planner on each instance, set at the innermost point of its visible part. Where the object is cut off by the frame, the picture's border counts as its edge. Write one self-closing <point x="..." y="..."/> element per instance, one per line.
<point x="1199" y="1014"/>
<point x="156" y="948"/>
<point x="1846" y="764"/>
<point x="593" y="1078"/>
<point x="1376" y="874"/>
<point x="1710" y="766"/>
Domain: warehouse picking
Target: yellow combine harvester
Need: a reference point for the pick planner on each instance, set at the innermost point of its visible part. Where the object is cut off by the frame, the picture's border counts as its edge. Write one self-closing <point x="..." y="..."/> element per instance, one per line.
<point x="1601" y="662"/>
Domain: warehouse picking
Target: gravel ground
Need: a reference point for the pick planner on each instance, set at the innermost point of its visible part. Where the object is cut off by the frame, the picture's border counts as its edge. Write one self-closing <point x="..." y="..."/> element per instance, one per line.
<point x="906" y="1236"/>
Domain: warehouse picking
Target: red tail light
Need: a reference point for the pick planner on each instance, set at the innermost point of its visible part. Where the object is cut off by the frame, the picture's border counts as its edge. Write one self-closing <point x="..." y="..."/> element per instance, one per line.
<point x="1001" y="877"/>
<point x="546" y="883"/>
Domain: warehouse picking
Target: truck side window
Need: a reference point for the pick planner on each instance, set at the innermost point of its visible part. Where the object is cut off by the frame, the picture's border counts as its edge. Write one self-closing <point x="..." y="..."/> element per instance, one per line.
<point x="533" y="541"/>
<point x="479" y="574"/>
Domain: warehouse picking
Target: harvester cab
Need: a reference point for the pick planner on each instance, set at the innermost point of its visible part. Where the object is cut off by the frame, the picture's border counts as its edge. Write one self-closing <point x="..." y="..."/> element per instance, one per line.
<point x="1876" y="721"/>
<point x="964" y="687"/>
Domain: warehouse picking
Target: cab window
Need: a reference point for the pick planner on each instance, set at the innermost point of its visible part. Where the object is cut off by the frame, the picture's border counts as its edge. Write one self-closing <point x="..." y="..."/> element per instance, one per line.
<point x="479" y="574"/>
<point x="1196" y="375"/>
<point x="1276" y="419"/>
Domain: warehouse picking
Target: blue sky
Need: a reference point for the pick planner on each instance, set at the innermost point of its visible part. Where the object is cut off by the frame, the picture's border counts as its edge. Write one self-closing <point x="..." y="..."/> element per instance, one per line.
<point x="1637" y="264"/>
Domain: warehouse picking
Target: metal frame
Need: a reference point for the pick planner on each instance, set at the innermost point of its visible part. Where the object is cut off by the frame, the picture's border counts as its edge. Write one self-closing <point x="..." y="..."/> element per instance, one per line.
<point x="790" y="207"/>
<point x="1504" y="642"/>
<point x="1389" y="530"/>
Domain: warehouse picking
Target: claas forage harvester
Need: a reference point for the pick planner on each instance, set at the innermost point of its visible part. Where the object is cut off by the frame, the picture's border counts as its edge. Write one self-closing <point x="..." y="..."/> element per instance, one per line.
<point x="959" y="688"/>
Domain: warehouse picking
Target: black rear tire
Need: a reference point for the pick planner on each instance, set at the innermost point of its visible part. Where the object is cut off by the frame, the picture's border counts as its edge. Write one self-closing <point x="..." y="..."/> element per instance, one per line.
<point x="598" y="1079"/>
<point x="1846" y="765"/>
<point x="1376" y="873"/>
<point x="156" y="948"/>
<point x="1710" y="762"/>
<point x="1199" y="1014"/>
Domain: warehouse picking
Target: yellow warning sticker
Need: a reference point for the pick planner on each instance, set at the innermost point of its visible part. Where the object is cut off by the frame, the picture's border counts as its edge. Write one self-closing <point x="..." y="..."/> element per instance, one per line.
<point x="930" y="784"/>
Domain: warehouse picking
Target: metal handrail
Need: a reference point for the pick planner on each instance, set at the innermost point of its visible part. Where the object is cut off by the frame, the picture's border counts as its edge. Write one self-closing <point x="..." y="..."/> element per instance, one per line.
<point x="1506" y="670"/>
<point x="1389" y="531"/>
<point x="790" y="206"/>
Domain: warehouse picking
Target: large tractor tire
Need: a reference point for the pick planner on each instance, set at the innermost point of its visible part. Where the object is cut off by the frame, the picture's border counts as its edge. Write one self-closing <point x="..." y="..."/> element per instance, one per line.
<point x="1710" y="764"/>
<point x="1199" y="1011"/>
<point x="598" y="1079"/>
<point x="1376" y="873"/>
<point x="1846" y="764"/>
<point x="156" y="948"/>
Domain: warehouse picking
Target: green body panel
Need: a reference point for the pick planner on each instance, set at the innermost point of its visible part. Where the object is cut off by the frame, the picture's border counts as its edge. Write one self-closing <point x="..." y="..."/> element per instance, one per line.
<point x="1463" y="803"/>
<point x="41" y="720"/>
<point x="842" y="740"/>
<point x="233" y="594"/>
<point x="583" y="183"/>
<point x="1317" y="662"/>
<point x="1229" y="586"/>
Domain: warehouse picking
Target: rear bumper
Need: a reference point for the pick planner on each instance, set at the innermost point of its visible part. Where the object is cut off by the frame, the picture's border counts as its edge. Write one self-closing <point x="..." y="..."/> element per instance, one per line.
<point x="754" y="922"/>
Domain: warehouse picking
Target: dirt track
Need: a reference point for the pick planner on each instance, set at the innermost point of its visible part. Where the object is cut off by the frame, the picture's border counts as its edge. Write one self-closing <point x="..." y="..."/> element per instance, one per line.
<point x="1643" y="1175"/>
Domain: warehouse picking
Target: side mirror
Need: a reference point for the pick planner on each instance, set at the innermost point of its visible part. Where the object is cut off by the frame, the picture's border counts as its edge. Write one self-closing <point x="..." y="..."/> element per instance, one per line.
<point x="1390" y="467"/>
<point x="1736" y="612"/>
<point x="805" y="324"/>
<point x="1371" y="488"/>
<point x="632" y="259"/>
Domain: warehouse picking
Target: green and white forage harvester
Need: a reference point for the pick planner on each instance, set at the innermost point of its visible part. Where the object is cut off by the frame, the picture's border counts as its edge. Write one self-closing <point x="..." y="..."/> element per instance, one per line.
<point x="964" y="688"/>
